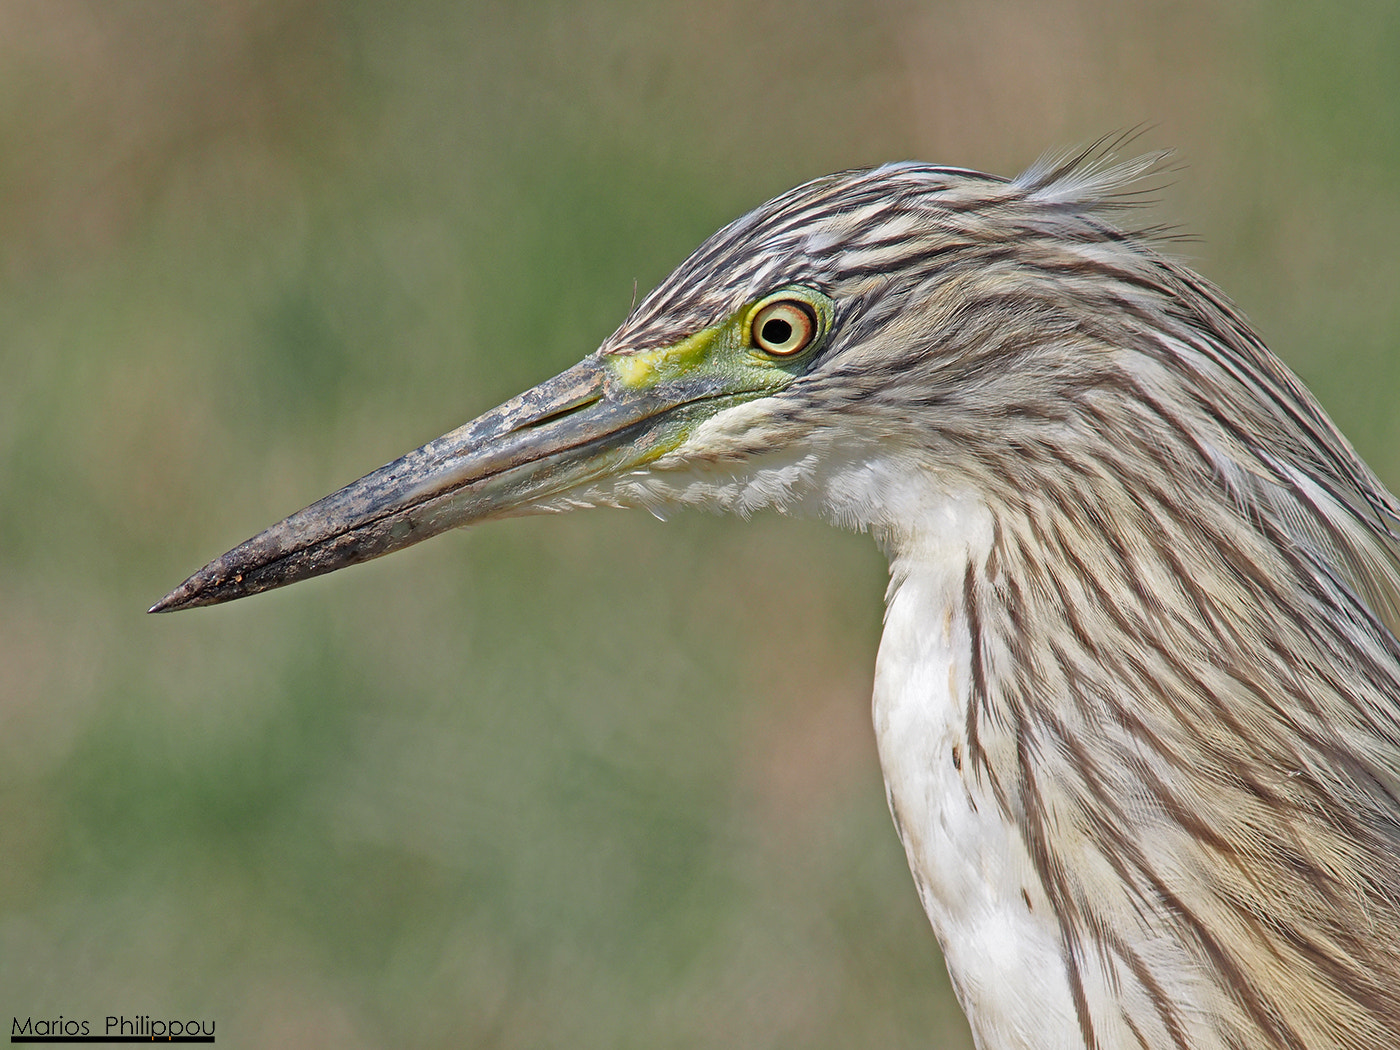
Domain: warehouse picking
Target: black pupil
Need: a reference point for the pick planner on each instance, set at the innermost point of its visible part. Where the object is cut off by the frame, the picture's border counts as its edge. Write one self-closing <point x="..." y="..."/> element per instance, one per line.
<point x="776" y="330"/>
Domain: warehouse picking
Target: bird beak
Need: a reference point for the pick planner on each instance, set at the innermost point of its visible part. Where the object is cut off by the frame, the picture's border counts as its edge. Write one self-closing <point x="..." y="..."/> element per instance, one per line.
<point x="586" y="423"/>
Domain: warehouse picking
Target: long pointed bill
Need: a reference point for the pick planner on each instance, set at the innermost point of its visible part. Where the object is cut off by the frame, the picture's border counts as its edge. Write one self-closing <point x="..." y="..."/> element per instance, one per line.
<point x="575" y="428"/>
<point x="610" y="414"/>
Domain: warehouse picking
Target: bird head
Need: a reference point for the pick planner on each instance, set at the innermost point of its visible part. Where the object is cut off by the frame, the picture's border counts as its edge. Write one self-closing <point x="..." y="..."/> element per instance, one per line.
<point x="841" y="350"/>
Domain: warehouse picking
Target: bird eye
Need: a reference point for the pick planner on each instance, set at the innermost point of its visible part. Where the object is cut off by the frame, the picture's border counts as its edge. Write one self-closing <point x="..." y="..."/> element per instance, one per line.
<point x="784" y="328"/>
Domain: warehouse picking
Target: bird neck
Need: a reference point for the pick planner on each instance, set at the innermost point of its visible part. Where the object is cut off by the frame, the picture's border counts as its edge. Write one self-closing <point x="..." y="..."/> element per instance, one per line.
<point x="1079" y="715"/>
<point x="970" y="861"/>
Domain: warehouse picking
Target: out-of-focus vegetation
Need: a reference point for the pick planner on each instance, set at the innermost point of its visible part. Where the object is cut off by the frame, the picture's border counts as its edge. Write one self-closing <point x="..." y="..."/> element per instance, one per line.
<point x="589" y="781"/>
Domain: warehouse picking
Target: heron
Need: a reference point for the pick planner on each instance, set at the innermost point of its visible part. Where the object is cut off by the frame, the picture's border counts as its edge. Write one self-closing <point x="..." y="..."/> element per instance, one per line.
<point x="1137" y="696"/>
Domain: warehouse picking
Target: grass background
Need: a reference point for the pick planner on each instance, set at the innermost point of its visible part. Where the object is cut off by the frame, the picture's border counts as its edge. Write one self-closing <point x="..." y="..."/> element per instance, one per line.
<point x="589" y="781"/>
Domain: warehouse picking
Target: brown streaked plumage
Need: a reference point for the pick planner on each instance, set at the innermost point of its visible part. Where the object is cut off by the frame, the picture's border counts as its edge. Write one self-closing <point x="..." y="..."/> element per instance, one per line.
<point x="1138" y="697"/>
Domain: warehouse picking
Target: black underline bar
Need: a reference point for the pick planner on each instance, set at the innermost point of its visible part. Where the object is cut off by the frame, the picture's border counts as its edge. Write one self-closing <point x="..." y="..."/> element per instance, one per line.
<point x="111" y="1038"/>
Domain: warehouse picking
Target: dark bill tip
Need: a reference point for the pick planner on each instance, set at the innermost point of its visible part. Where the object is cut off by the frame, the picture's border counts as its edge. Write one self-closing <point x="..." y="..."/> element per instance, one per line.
<point x="546" y="439"/>
<point x="310" y="543"/>
<point x="175" y="600"/>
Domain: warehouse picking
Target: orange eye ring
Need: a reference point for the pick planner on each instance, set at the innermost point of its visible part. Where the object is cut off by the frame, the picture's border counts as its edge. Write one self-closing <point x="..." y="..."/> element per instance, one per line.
<point x="784" y="328"/>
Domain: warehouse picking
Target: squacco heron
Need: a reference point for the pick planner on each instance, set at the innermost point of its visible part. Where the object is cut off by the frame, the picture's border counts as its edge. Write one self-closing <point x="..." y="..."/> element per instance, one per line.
<point x="1137" y="700"/>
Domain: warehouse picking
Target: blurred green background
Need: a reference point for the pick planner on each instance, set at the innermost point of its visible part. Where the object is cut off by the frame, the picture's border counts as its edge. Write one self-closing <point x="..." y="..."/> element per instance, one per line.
<point x="588" y="781"/>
